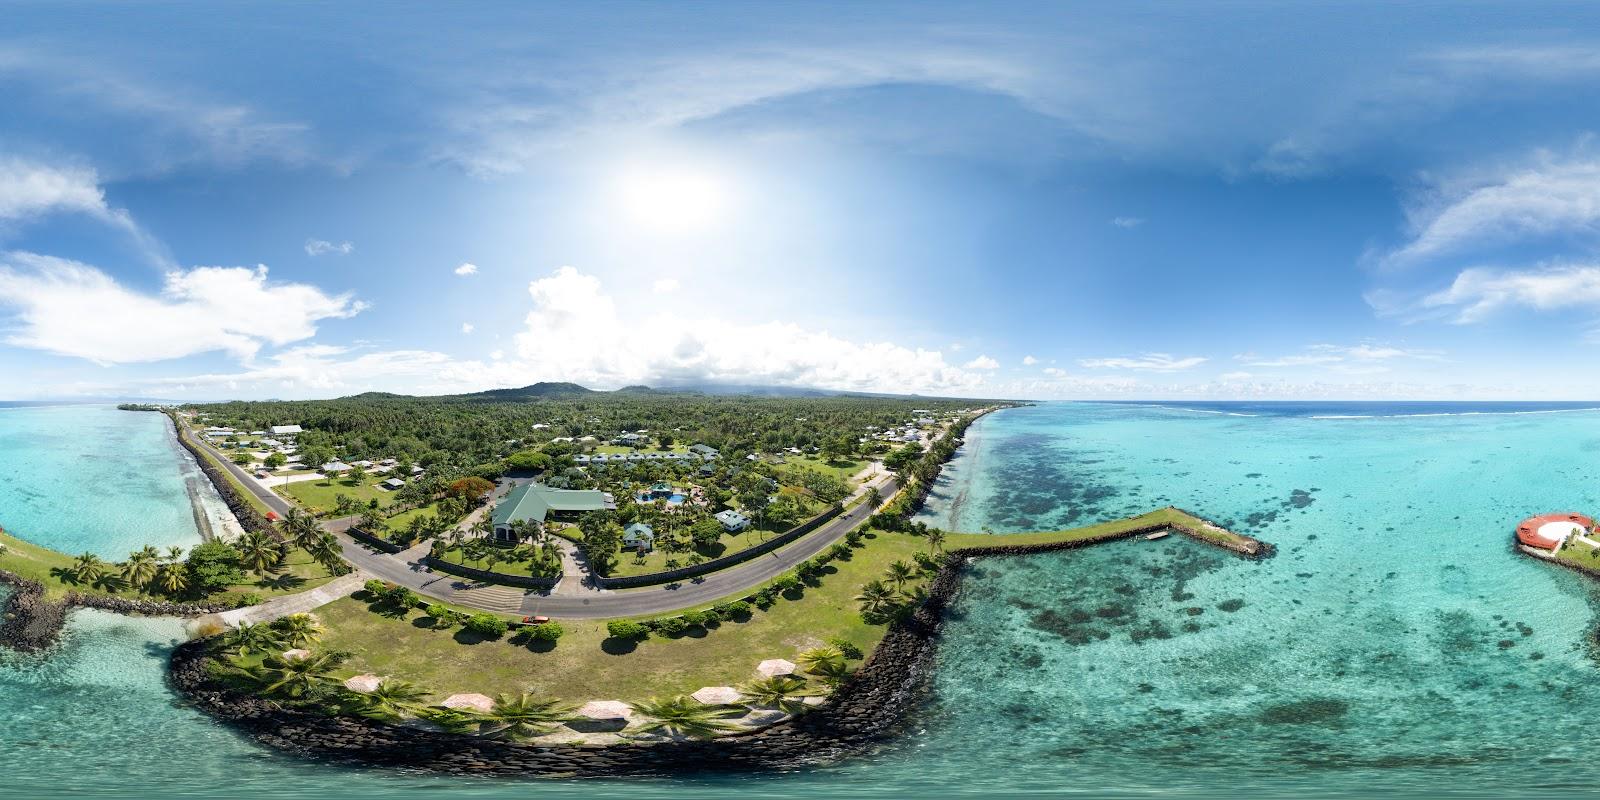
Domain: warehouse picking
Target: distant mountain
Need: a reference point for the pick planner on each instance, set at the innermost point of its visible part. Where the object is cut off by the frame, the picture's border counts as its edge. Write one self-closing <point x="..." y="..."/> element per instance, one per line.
<point x="541" y="389"/>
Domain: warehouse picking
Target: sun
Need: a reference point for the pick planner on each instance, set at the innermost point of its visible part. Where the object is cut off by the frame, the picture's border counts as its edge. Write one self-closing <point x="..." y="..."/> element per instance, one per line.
<point x="672" y="200"/>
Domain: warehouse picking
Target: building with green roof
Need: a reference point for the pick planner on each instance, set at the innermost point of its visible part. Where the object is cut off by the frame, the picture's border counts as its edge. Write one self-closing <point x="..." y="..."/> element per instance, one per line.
<point x="539" y="503"/>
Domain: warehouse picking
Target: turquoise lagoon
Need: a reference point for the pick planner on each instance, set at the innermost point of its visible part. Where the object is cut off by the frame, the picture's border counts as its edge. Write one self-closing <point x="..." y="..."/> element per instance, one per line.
<point x="1395" y="644"/>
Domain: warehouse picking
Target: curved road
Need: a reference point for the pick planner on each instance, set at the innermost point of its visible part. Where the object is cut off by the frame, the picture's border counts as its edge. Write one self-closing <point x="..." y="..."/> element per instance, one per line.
<point x="590" y="603"/>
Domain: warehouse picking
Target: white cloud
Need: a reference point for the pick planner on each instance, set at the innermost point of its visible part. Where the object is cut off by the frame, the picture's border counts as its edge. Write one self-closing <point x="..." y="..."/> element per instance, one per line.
<point x="30" y="189"/>
<point x="576" y="333"/>
<point x="665" y="285"/>
<point x="1478" y="293"/>
<point x="1360" y="358"/>
<point x="1055" y="372"/>
<point x="1234" y="377"/>
<point x="74" y="309"/>
<point x="1028" y="361"/>
<point x="982" y="362"/>
<point x="497" y="354"/>
<point x="466" y="327"/>
<point x="320" y="247"/>
<point x="467" y="268"/>
<point x="1152" y="362"/>
<point x="1549" y="197"/>
<point x="1127" y="222"/>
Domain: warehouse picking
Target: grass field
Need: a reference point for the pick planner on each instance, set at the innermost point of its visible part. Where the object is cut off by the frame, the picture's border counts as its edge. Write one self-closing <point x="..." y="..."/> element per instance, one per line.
<point x="39" y="563"/>
<point x="318" y="496"/>
<point x="656" y="560"/>
<point x="842" y="469"/>
<point x="584" y="665"/>
<point x="402" y="519"/>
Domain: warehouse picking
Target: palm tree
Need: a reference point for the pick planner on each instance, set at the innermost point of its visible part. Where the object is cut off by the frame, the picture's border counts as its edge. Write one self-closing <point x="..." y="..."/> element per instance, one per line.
<point x="325" y="550"/>
<point x="453" y="720"/>
<point x="140" y="568"/>
<point x="832" y="673"/>
<point x="810" y="659"/>
<point x="259" y="552"/>
<point x="86" y="568"/>
<point x="298" y="630"/>
<point x="935" y="539"/>
<point x="252" y="637"/>
<point x="684" y="716"/>
<point x="174" y="554"/>
<point x="875" y="598"/>
<point x="783" y="692"/>
<point x="391" y="700"/>
<point x="899" y="573"/>
<point x="524" y="716"/>
<point x="293" y="677"/>
<point x="302" y="528"/>
<point x="172" y="579"/>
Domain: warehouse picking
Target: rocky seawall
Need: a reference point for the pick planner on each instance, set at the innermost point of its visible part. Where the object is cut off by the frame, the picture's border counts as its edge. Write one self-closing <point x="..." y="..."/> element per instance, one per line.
<point x="864" y="714"/>
<point x="249" y="518"/>
<point x="32" y="622"/>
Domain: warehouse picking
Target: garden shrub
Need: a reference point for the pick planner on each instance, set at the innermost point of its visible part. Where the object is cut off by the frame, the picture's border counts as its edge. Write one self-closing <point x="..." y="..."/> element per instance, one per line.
<point x="626" y="629"/>
<point x="487" y="625"/>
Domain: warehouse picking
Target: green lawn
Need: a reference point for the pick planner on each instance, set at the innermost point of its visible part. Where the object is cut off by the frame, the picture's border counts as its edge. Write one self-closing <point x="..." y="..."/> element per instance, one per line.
<point x="612" y="449"/>
<point x="402" y="519"/>
<point x="844" y="469"/>
<point x="318" y="496"/>
<point x="656" y="560"/>
<point x="580" y="668"/>
<point x="37" y="563"/>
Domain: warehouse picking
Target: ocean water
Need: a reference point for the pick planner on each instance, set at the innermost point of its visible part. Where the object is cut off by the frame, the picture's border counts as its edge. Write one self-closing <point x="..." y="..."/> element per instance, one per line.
<point x="1394" y="645"/>
<point x="90" y="478"/>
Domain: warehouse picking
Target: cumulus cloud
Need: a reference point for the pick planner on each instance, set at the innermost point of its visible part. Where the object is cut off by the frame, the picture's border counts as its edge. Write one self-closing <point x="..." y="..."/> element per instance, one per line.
<point x="321" y="247"/>
<point x="1478" y="293"/>
<point x="1028" y="361"/>
<point x="466" y="327"/>
<point x="1550" y="197"/>
<point x="29" y="189"/>
<point x="1151" y="362"/>
<point x="575" y="332"/>
<point x="467" y="268"/>
<point x="1127" y="222"/>
<point x="665" y="285"/>
<point x="982" y="362"/>
<point x="74" y="309"/>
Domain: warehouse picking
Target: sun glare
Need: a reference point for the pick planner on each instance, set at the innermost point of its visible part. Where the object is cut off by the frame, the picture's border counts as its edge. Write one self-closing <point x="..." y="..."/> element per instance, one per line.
<point x="670" y="200"/>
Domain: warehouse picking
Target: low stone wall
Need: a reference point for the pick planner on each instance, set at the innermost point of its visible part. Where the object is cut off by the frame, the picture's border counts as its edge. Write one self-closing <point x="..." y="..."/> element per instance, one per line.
<point x="32" y="622"/>
<point x="373" y="541"/>
<point x="863" y="714"/>
<point x="248" y="517"/>
<point x="708" y="567"/>
<point x="505" y="578"/>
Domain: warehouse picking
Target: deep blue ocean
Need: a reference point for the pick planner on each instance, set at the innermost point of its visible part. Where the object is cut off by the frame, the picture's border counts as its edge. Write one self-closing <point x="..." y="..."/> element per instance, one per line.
<point x="1395" y="645"/>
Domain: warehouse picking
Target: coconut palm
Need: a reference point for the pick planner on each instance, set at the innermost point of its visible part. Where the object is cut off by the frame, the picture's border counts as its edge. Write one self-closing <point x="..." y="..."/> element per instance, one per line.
<point x="298" y="630"/>
<point x="832" y="673"/>
<point x="252" y="637"/>
<point x="325" y="550"/>
<point x="293" y="677"/>
<point x="810" y="659"/>
<point x="875" y="598"/>
<point x="524" y="716"/>
<point x="453" y="720"/>
<point x="86" y="568"/>
<point x="302" y="528"/>
<point x="174" y="554"/>
<point x="140" y="568"/>
<point x="684" y="716"/>
<point x="259" y="552"/>
<point x="391" y="700"/>
<point x="172" y="579"/>
<point x="936" y="539"/>
<point x="783" y="692"/>
<point x="899" y="573"/>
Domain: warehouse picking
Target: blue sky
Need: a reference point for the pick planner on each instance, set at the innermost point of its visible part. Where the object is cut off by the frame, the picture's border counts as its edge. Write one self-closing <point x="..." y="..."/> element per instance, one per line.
<point x="1127" y="200"/>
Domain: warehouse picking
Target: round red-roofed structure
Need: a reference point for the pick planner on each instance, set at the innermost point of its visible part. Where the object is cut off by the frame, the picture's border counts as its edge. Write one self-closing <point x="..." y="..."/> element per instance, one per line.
<point x="1547" y="530"/>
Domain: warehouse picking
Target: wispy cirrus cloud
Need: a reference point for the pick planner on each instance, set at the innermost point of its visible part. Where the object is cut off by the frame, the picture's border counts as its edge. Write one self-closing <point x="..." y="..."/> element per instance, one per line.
<point x="322" y="247"/>
<point x="31" y="190"/>
<point x="1149" y="362"/>
<point x="1359" y="358"/>
<point x="1479" y="293"/>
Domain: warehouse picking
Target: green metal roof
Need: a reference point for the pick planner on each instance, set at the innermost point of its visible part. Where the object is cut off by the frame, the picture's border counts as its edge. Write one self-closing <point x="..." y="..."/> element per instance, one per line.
<point x="533" y="501"/>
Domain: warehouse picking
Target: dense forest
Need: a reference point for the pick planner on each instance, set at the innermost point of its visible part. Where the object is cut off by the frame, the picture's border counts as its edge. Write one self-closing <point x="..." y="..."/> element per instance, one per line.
<point x="470" y="430"/>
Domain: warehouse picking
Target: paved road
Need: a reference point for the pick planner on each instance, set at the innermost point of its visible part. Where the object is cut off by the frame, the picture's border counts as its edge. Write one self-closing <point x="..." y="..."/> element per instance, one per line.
<point x="273" y="501"/>
<point x="589" y="602"/>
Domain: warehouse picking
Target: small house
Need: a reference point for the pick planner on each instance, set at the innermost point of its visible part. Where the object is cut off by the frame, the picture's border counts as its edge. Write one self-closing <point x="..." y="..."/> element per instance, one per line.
<point x="285" y="430"/>
<point x="639" y="536"/>
<point x="334" y="466"/>
<point x="732" y="521"/>
<point x="392" y="484"/>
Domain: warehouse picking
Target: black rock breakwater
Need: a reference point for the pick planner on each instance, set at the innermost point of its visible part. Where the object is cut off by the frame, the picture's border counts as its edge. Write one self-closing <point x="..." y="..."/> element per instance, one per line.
<point x="867" y="711"/>
<point x="32" y="622"/>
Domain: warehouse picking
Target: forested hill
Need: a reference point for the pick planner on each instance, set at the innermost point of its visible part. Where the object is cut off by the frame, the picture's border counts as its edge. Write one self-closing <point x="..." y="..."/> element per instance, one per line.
<point x="475" y="429"/>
